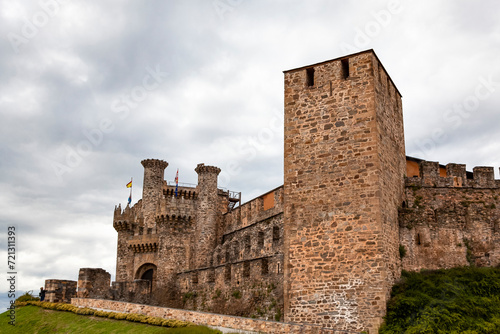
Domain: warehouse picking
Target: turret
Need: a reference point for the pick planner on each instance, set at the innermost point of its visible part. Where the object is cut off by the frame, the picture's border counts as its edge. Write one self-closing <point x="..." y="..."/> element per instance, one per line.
<point x="152" y="188"/>
<point x="206" y="223"/>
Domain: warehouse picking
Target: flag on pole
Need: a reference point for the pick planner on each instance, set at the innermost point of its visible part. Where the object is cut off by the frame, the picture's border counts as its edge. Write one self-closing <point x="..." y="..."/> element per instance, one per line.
<point x="176" y="182"/>
<point x="129" y="185"/>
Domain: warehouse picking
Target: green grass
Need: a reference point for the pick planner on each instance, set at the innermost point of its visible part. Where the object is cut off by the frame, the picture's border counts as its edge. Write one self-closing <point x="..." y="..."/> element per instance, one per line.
<point x="33" y="319"/>
<point x="460" y="300"/>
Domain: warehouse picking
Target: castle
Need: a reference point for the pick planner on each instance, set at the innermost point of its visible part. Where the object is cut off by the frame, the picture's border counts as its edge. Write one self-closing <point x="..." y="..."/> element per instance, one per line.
<point x="327" y="246"/>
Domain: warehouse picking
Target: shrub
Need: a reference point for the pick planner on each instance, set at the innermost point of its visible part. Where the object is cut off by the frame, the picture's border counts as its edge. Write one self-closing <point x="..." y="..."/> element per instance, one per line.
<point x="236" y="294"/>
<point x="27" y="297"/>
<point x="459" y="300"/>
<point x="402" y="251"/>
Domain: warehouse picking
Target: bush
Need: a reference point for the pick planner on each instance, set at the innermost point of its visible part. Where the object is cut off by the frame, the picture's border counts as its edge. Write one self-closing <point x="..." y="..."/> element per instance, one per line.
<point x="27" y="297"/>
<point x="459" y="300"/>
<point x="402" y="251"/>
<point x="236" y="294"/>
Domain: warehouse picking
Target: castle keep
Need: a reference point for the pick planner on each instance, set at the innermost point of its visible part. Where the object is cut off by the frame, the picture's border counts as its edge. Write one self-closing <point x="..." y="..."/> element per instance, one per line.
<point x="327" y="246"/>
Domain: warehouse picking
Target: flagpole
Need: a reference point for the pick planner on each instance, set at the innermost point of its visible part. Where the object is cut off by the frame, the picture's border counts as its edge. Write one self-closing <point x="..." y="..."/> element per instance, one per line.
<point x="131" y="186"/>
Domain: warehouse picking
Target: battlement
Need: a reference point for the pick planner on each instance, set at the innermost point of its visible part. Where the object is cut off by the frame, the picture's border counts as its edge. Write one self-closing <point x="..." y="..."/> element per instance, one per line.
<point x="151" y="163"/>
<point x="456" y="176"/>
<point x="255" y="210"/>
<point x="128" y="218"/>
<point x="182" y="192"/>
<point x="123" y="226"/>
<point x="202" y="169"/>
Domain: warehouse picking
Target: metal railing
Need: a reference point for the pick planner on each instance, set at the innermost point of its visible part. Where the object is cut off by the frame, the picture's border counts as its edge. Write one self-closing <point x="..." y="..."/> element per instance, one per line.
<point x="182" y="184"/>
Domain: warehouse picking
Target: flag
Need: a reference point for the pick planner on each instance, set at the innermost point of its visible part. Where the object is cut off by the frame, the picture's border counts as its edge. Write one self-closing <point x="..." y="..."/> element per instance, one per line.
<point x="176" y="182"/>
<point x="129" y="185"/>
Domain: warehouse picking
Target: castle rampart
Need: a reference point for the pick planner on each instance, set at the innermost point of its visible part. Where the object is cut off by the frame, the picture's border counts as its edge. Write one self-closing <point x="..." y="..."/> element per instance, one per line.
<point x="450" y="221"/>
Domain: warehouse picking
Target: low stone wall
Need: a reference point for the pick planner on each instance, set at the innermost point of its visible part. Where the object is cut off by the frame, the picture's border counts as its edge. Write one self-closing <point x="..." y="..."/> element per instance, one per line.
<point x="207" y="319"/>
<point x="59" y="291"/>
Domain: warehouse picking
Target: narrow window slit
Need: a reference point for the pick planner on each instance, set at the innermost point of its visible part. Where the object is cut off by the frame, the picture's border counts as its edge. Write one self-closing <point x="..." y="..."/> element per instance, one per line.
<point x="310" y="77"/>
<point x="345" y="68"/>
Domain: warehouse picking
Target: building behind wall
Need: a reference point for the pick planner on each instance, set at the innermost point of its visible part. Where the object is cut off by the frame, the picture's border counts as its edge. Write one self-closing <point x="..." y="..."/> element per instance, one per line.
<point x="326" y="247"/>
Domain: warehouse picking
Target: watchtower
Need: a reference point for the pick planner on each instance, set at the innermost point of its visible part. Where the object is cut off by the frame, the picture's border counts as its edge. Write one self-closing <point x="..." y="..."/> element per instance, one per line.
<point x="344" y="171"/>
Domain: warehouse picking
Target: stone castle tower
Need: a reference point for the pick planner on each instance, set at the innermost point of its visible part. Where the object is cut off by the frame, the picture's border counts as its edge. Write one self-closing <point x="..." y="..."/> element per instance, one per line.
<point x="344" y="172"/>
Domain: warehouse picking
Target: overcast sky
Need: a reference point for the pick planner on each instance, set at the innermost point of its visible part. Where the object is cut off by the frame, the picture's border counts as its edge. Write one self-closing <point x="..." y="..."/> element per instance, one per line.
<point x="90" y="88"/>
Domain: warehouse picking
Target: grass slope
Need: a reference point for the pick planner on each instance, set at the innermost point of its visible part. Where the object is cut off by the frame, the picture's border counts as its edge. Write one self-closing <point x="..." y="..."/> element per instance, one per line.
<point x="36" y="320"/>
<point x="459" y="300"/>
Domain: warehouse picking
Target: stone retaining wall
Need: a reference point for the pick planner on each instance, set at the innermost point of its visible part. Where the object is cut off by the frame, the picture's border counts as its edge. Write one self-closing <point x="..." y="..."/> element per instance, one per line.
<point x="207" y="319"/>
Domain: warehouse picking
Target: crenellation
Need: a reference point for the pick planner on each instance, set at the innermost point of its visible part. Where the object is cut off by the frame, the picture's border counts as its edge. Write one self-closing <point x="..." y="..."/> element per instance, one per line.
<point x="455" y="176"/>
<point x="429" y="172"/>
<point x="484" y="177"/>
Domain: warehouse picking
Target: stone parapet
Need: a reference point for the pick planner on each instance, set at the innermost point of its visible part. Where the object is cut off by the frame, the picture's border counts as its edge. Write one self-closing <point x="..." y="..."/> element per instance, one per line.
<point x="456" y="177"/>
<point x="154" y="163"/>
<point x="202" y="169"/>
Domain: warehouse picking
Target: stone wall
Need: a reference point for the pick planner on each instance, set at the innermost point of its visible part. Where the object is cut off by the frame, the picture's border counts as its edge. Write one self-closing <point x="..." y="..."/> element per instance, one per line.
<point x="254" y="210"/>
<point x="341" y="157"/>
<point x="60" y="291"/>
<point x="207" y="319"/>
<point x="247" y="276"/>
<point x="94" y="283"/>
<point x="390" y="147"/>
<point x="138" y="291"/>
<point x="450" y="221"/>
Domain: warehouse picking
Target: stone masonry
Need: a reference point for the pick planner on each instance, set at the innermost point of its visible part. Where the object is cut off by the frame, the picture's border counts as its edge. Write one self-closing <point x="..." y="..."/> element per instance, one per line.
<point x="60" y="291"/>
<point x="325" y="248"/>
<point x="450" y="221"/>
<point x="344" y="168"/>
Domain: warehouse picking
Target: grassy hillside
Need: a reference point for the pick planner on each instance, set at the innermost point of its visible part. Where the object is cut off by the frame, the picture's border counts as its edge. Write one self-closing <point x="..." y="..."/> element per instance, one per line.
<point x="460" y="300"/>
<point x="33" y="319"/>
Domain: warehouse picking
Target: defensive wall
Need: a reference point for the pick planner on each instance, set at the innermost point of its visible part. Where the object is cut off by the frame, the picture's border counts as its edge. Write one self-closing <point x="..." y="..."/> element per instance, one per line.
<point x="246" y="277"/>
<point x="450" y="221"/>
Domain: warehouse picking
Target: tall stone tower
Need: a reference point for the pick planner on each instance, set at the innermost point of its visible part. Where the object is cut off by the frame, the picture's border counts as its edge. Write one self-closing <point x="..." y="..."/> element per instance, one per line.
<point x="206" y="220"/>
<point x="154" y="171"/>
<point x="344" y="171"/>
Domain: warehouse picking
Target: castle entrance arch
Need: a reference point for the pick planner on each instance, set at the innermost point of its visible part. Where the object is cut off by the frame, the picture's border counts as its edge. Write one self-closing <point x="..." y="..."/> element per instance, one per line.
<point x="147" y="272"/>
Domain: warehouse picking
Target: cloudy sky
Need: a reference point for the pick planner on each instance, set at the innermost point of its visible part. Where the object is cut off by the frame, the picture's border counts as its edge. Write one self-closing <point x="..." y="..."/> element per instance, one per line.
<point x="89" y="89"/>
